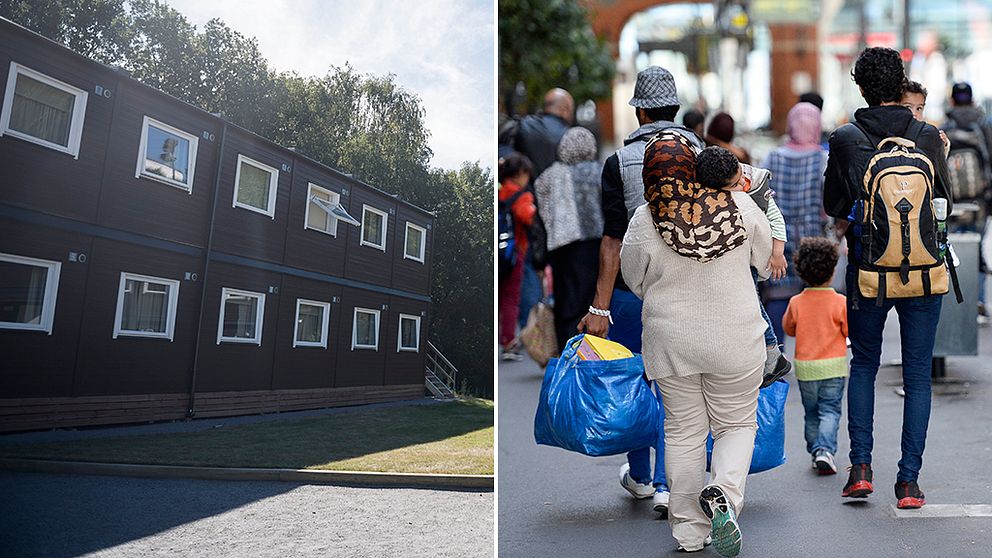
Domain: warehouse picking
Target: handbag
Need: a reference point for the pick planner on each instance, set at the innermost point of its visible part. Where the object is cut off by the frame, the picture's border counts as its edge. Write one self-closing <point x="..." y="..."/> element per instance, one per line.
<point x="539" y="334"/>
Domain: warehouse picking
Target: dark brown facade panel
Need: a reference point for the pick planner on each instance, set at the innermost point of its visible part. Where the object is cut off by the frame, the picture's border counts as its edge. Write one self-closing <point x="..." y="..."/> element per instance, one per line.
<point x="303" y="367"/>
<point x="146" y="205"/>
<point x="408" y="273"/>
<point x="361" y="367"/>
<point x="42" y="178"/>
<point x="246" y="232"/>
<point x="35" y="363"/>
<point x="364" y="262"/>
<point x="404" y="367"/>
<point x="239" y="403"/>
<point x="130" y="365"/>
<point x="63" y="412"/>
<point x="228" y="366"/>
<point x="308" y="248"/>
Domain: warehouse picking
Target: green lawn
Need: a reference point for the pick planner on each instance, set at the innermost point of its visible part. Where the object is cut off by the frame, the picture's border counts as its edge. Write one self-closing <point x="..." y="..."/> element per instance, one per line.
<point x="451" y="437"/>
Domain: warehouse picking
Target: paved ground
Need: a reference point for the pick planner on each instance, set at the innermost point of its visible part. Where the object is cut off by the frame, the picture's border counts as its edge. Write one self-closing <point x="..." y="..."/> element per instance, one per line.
<point x="55" y="516"/>
<point x="556" y="503"/>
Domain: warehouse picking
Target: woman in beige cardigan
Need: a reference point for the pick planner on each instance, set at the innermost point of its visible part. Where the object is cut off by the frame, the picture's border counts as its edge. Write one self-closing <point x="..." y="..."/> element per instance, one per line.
<point x="687" y="253"/>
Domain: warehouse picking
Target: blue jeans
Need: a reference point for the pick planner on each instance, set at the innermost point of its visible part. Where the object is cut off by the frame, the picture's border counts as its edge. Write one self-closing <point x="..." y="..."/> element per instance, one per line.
<point x="530" y="289"/>
<point x="625" y="308"/>
<point x="918" y="319"/>
<point x="770" y="338"/>
<point x="821" y="401"/>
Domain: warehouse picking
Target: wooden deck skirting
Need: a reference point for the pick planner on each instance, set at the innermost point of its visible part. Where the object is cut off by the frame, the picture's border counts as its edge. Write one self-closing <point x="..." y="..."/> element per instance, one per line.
<point x="40" y="413"/>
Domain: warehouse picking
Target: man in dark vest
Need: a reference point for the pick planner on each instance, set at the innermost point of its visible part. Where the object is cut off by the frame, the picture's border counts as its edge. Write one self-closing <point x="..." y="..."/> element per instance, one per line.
<point x="879" y="73"/>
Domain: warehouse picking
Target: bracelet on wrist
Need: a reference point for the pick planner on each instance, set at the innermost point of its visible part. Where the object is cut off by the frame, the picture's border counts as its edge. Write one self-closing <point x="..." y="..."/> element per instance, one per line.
<point x="600" y="312"/>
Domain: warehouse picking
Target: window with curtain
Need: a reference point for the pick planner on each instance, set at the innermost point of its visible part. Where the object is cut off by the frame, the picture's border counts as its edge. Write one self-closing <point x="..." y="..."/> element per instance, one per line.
<point x="42" y="111"/>
<point x="145" y="306"/>
<point x="374" y="228"/>
<point x="311" y="323"/>
<point x="22" y="293"/>
<point x="409" y="333"/>
<point x="241" y="316"/>
<point x="255" y="182"/>
<point x="28" y="292"/>
<point x="366" y="329"/>
<point x="317" y="217"/>
<point x="414" y="248"/>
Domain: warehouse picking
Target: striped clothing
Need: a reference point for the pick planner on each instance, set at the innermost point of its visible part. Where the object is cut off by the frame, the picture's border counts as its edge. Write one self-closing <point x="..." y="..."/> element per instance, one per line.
<point x="817" y="318"/>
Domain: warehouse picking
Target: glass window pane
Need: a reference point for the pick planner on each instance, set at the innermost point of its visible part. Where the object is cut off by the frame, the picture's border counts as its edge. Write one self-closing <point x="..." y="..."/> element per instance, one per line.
<point x="41" y="110"/>
<point x="365" y="328"/>
<point x="414" y="239"/>
<point x="372" y="228"/>
<point x="22" y="293"/>
<point x="408" y="333"/>
<point x="239" y="316"/>
<point x="317" y="217"/>
<point x="253" y="186"/>
<point x="311" y="324"/>
<point x="167" y="155"/>
<point x="146" y="306"/>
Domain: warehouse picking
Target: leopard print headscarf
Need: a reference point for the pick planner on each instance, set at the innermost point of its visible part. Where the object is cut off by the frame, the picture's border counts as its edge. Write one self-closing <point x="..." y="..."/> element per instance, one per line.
<point x="697" y="222"/>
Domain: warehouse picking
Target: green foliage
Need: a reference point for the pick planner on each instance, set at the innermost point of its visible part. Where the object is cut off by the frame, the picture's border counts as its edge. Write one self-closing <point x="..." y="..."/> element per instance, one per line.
<point x="365" y="125"/>
<point x="549" y="43"/>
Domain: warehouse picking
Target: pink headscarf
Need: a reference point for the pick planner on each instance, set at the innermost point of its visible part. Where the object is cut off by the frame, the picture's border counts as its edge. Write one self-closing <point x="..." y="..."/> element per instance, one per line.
<point x="803" y="124"/>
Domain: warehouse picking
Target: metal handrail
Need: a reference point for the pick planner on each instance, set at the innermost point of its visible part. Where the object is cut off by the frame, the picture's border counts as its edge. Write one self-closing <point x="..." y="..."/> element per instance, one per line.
<point x="441" y="367"/>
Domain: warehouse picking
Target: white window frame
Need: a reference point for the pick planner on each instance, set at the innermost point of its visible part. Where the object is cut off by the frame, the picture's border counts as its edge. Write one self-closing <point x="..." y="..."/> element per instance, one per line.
<point x="323" y="328"/>
<point x="78" y="110"/>
<point x="226" y="293"/>
<point x="354" y="329"/>
<point x="139" y="171"/>
<point x="170" y="320"/>
<point x="335" y="197"/>
<point x="385" y="227"/>
<point x="51" y="292"/>
<point x="423" y="242"/>
<point x="273" y="186"/>
<point x="399" y="334"/>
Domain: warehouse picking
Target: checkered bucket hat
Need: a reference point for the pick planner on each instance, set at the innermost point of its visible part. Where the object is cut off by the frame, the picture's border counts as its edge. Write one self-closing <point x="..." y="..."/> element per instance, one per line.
<point x="655" y="88"/>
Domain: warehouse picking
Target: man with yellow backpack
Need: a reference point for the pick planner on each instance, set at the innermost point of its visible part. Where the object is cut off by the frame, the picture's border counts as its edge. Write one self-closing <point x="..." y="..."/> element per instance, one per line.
<point x="884" y="173"/>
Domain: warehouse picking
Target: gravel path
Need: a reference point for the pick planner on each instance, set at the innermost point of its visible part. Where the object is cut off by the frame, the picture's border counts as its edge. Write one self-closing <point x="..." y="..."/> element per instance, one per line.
<point x="67" y="515"/>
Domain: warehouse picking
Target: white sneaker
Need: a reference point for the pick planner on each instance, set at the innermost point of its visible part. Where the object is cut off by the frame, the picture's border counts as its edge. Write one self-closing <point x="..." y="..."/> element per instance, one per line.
<point x="660" y="501"/>
<point x="823" y="462"/>
<point x="636" y="489"/>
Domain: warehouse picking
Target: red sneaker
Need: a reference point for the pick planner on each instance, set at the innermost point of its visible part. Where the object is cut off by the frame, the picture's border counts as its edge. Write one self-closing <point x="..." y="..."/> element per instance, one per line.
<point x="858" y="482"/>
<point x="909" y="495"/>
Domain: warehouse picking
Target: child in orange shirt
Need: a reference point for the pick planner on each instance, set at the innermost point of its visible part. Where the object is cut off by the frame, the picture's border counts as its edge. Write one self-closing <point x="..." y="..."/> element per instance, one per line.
<point x="817" y="318"/>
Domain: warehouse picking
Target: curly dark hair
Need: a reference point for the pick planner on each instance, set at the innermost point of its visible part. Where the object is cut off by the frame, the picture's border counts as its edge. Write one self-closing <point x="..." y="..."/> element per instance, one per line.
<point x="716" y="167"/>
<point x="880" y="74"/>
<point x="816" y="260"/>
<point x="514" y="164"/>
<point x="916" y="87"/>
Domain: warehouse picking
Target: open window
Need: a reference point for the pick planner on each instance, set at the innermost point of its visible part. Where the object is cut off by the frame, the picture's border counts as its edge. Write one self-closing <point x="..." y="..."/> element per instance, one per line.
<point x="43" y="110"/>
<point x="409" y="334"/>
<point x="324" y="210"/>
<point x="311" y="323"/>
<point x="414" y="242"/>
<point x="374" y="222"/>
<point x="241" y="315"/>
<point x="166" y="154"/>
<point x="365" y="330"/>
<point x="146" y="306"/>
<point x="28" y="291"/>
<point x="255" y="186"/>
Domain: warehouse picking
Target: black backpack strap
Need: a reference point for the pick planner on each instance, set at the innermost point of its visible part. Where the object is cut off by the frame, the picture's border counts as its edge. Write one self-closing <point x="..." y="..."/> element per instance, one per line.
<point x="954" y="277"/>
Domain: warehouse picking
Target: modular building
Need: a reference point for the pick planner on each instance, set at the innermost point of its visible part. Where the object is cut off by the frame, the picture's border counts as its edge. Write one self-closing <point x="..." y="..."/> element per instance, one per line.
<point x="158" y="262"/>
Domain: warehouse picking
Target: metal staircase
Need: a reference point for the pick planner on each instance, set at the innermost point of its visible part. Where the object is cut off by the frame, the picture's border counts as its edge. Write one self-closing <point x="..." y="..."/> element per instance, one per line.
<point x="440" y="374"/>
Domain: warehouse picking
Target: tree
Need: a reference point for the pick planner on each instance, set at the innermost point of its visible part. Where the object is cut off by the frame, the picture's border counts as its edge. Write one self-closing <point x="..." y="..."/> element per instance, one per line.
<point x="98" y="29"/>
<point x="550" y="43"/>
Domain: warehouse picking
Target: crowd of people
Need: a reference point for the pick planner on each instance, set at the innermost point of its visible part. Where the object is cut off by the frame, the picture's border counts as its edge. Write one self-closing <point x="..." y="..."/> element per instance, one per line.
<point x="661" y="247"/>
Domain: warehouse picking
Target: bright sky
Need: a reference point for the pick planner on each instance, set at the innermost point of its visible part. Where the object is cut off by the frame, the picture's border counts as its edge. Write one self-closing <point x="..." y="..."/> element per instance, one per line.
<point x="442" y="50"/>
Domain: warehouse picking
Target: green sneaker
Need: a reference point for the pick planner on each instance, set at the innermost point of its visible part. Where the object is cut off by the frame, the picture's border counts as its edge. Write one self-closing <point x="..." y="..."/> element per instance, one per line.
<point x="726" y="532"/>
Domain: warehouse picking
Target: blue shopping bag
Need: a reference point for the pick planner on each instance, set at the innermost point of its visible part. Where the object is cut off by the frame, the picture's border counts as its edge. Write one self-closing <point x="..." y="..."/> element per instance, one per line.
<point x="596" y="407"/>
<point x="769" y="442"/>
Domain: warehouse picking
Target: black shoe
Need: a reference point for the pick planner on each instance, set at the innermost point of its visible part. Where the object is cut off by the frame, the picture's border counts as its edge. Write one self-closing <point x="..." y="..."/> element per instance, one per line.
<point x="909" y="495"/>
<point x="858" y="482"/>
<point x="782" y="367"/>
